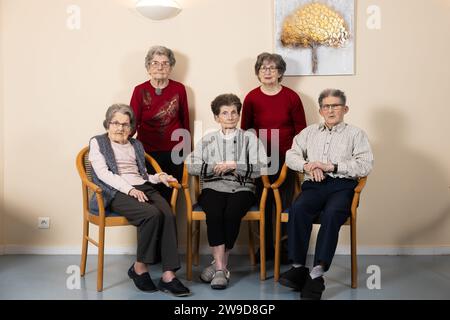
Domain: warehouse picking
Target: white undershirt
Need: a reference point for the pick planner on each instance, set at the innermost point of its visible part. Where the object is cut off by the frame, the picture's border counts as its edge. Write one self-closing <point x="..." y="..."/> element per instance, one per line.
<point x="228" y="136"/>
<point x="126" y="163"/>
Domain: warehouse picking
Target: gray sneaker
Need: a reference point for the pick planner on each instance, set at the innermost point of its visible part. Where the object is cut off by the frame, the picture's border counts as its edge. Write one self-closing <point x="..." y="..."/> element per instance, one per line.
<point x="220" y="279"/>
<point x="208" y="273"/>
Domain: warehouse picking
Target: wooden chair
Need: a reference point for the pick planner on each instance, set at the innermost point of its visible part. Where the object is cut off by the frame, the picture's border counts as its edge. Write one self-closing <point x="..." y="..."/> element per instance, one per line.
<point x="103" y="218"/>
<point x="284" y="217"/>
<point x="195" y="215"/>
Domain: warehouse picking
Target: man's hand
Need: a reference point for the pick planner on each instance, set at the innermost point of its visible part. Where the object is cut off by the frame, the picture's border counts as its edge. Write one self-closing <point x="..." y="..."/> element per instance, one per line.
<point x="324" y="167"/>
<point x="317" y="175"/>
<point x="135" y="193"/>
<point x="224" y="167"/>
<point x="317" y="169"/>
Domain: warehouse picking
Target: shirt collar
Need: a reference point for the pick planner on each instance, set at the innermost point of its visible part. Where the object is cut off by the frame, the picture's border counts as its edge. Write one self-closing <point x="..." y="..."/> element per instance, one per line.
<point x="337" y="128"/>
<point x="228" y="136"/>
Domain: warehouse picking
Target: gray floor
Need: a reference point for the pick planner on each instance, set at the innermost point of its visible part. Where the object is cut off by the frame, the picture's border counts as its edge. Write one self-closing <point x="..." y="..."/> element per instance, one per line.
<point x="402" y="277"/>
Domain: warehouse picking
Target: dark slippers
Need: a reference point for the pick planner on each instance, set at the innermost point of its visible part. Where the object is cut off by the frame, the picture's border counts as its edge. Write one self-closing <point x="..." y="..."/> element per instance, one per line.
<point x="294" y="278"/>
<point x="174" y="287"/>
<point x="313" y="288"/>
<point x="142" y="281"/>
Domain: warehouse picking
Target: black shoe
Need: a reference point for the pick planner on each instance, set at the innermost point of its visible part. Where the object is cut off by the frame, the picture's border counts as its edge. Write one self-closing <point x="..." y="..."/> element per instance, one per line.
<point x="174" y="287"/>
<point x="313" y="289"/>
<point x="142" y="281"/>
<point x="294" y="278"/>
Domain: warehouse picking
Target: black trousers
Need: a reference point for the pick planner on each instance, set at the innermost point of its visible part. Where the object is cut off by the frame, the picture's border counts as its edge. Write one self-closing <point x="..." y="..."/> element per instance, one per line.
<point x="165" y="162"/>
<point x="156" y="227"/>
<point x="331" y="199"/>
<point x="224" y="212"/>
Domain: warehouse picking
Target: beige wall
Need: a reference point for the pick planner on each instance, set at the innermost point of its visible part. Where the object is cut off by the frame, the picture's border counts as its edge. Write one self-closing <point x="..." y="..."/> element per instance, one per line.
<point x="58" y="83"/>
<point x="1" y="127"/>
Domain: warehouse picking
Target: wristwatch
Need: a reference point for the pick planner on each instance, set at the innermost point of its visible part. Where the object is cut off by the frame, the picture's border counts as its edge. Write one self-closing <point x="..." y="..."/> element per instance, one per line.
<point x="335" y="168"/>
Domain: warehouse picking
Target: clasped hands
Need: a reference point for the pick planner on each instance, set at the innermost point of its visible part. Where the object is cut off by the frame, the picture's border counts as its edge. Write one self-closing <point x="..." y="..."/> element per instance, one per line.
<point x="141" y="197"/>
<point x="224" y="167"/>
<point x="317" y="169"/>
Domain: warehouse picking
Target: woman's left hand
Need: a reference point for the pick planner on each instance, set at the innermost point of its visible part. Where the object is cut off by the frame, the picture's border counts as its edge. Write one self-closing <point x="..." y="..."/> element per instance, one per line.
<point x="166" y="178"/>
<point x="224" y="167"/>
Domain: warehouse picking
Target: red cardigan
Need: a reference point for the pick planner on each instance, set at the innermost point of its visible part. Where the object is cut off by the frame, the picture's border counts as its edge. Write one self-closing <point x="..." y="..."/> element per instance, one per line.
<point x="283" y="111"/>
<point x="158" y="116"/>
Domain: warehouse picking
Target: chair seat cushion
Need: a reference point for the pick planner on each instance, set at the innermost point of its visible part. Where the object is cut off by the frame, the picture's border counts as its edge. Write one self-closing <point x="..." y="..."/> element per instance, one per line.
<point x="108" y="213"/>
<point x="197" y="207"/>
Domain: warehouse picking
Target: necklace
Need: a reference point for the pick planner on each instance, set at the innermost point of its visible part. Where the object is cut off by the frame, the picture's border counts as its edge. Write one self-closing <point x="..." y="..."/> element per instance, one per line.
<point x="159" y="90"/>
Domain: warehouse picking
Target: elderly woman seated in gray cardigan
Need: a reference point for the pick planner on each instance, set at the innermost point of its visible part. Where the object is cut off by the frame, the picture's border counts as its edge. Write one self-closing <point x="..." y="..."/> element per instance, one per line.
<point x="227" y="161"/>
<point x="118" y="163"/>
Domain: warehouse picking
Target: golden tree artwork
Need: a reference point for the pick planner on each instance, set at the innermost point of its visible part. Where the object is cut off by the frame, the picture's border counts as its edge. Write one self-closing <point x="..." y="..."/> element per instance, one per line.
<point x="314" y="25"/>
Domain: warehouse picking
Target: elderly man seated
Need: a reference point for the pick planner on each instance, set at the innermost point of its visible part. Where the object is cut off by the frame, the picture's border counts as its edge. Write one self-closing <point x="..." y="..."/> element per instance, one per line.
<point x="332" y="154"/>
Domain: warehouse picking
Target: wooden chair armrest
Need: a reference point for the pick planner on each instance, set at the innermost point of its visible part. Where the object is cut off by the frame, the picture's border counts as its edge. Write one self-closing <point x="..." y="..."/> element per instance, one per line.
<point x="185" y="178"/>
<point x="361" y="184"/>
<point x="278" y="204"/>
<point x="281" y="177"/>
<point x="153" y="163"/>
<point x="266" y="182"/>
<point x="175" y="185"/>
<point x="101" y="206"/>
<point x="90" y="185"/>
<point x="355" y="202"/>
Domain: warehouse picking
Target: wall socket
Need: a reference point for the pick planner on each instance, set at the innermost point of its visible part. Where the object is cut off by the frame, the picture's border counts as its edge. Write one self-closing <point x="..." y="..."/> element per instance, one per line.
<point x="43" y="222"/>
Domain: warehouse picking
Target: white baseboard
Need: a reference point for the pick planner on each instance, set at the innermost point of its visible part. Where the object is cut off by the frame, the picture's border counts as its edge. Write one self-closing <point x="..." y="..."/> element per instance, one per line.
<point x="18" y="249"/>
<point x="238" y="250"/>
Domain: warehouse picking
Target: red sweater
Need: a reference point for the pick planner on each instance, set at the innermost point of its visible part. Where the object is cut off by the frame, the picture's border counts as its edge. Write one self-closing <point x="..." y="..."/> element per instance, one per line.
<point x="158" y="116"/>
<point x="283" y="111"/>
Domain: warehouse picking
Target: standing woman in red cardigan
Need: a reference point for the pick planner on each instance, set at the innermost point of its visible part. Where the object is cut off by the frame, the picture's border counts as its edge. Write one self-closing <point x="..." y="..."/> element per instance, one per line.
<point x="279" y="110"/>
<point x="161" y="108"/>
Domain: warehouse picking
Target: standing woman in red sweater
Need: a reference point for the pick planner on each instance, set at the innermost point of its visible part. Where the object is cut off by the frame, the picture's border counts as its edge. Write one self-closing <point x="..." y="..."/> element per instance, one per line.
<point x="279" y="110"/>
<point x="161" y="108"/>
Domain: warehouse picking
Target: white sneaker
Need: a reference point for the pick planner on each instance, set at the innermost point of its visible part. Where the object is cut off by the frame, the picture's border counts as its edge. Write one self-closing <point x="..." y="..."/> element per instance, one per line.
<point x="208" y="273"/>
<point x="220" y="279"/>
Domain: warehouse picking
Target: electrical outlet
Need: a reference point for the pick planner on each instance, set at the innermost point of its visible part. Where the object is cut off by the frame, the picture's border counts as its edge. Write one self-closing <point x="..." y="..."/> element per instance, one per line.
<point x="44" y="222"/>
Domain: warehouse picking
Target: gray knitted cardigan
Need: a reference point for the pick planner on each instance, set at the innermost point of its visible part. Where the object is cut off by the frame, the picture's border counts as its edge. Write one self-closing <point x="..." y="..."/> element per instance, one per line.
<point x="245" y="148"/>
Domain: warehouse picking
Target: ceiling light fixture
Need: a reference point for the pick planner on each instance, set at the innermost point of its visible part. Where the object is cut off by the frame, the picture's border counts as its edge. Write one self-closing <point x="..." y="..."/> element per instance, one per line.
<point x="158" y="9"/>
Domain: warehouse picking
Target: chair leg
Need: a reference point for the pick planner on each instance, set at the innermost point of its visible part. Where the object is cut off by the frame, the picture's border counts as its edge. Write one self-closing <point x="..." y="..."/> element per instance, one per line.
<point x="84" y="247"/>
<point x="353" y="254"/>
<point x="197" y="242"/>
<point x="101" y="253"/>
<point x="251" y="244"/>
<point x="189" y="250"/>
<point x="262" y="250"/>
<point x="276" y="267"/>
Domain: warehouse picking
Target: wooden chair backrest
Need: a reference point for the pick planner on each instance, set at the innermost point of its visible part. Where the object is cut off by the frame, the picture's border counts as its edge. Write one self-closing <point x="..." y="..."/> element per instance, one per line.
<point x="88" y="170"/>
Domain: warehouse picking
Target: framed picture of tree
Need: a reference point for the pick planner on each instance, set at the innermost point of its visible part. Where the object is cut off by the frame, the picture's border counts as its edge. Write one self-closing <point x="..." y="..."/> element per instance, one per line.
<point x="316" y="37"/>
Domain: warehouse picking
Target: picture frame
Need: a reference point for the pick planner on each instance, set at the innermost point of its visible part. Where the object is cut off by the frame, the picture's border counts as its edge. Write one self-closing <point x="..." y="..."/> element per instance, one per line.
<point x="315" y="37"/>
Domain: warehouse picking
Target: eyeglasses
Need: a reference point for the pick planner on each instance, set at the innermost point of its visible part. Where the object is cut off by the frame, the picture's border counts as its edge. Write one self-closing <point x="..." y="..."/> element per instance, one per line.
<point x="264" y="69"/>
<point x="232" y="114"/>
<point x="329" y="107"/>
<point x="157" y="64"/>
<point x="116" y="124"/>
